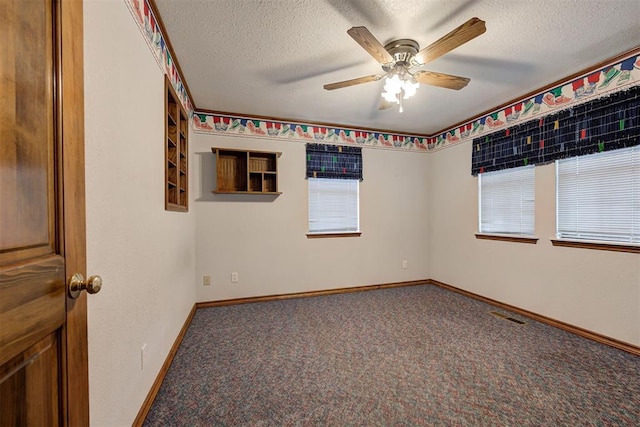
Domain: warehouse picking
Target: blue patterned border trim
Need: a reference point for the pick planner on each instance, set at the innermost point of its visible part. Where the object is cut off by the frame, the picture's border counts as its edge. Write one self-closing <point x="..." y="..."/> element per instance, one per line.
<point x="616" y="76"/>
<point x="612" y="78"/>
<point x="605" y="81"/>
<point x="148" y="25"/>
<point x="272" y="129"/>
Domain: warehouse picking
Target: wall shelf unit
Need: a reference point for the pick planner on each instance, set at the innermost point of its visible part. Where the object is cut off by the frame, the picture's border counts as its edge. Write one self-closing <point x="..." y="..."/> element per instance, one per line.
<point x="246" y="171"/>
<point x="176" y="131"/>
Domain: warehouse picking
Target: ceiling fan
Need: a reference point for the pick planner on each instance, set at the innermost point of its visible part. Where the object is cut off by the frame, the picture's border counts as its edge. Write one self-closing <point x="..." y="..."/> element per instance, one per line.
<point x="399" y="57"/>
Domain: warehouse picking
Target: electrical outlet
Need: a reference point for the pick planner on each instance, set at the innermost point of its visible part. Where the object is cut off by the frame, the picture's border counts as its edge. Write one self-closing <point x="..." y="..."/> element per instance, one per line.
<point x="234" y="277"/>
<point x="206" y="280"/>
<point x="143" y="356"/>
<point x="405" y="263"/>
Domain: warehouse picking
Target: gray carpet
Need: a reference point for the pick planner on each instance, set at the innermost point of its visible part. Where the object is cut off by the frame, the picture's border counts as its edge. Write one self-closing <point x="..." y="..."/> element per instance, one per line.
<point x="418" y="355"/>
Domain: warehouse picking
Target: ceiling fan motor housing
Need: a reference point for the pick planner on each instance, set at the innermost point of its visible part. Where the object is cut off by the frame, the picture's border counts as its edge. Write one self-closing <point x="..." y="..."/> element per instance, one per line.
<point x="403" y="51"/>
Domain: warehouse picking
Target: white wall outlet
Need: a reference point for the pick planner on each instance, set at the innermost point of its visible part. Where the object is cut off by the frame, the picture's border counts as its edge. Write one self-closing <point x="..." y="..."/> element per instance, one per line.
<point x="206" y="280"/>
<point x="234" y="277"/>
<point x="143" y="356"/>
<point x="405" y="263"/>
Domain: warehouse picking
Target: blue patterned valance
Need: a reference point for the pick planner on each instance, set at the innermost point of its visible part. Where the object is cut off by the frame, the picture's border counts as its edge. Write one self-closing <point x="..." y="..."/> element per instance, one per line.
<point x="603" y="124"/>
<point x="334" y="161"/>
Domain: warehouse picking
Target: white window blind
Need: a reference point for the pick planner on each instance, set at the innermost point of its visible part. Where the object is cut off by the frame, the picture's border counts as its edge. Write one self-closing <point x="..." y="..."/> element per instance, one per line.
<point x="598" y="196"/>
<point x="507" y="201"/>
<point x="333" y="205"/>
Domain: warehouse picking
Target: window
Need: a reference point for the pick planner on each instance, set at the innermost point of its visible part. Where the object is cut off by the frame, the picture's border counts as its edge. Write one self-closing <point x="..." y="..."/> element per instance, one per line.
<point x="598" y="197"/>
<point x="333" y="205"/>
<point x="334" y="173"/>
<point x="507" y="201"/>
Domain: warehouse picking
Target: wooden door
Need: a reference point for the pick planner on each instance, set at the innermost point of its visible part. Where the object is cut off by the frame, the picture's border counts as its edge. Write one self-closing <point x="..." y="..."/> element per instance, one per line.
<point x="43" y="343"/>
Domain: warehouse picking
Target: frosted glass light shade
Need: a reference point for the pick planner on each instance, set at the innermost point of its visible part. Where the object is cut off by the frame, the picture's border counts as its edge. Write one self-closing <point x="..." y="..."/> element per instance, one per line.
<point x="399" y="84"/>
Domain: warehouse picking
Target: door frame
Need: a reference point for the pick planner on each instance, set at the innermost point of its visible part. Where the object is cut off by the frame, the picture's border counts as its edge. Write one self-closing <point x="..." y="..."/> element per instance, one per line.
<point x="70" y="131"/>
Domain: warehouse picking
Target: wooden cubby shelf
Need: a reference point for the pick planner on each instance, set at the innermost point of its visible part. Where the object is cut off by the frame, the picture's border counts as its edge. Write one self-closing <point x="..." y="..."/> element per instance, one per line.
<point x="246" y="171"/>
<point x="176" y="152"/>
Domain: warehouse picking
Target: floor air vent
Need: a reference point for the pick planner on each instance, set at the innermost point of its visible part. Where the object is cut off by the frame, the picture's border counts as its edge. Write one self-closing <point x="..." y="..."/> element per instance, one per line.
<point x="507" y="317"/>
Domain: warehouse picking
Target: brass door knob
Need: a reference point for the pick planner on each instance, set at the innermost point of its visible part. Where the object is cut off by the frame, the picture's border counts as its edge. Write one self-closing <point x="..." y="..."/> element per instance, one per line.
<point x="77" y="284"/>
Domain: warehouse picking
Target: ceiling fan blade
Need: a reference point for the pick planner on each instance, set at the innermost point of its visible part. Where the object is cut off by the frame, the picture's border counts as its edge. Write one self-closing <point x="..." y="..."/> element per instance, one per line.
<point x="370" y="44"/>
<point x="442" y="80"/>
<point x="352" y="82"/>
<point x="464" y="33"/>
<point x="385" y="105"/>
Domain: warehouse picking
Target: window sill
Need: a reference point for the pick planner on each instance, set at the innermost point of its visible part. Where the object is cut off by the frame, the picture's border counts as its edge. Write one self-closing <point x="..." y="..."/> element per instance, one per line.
<point x="508" y="238"/>
<point x="330" y="235"/>
<point x="590" y="244"/>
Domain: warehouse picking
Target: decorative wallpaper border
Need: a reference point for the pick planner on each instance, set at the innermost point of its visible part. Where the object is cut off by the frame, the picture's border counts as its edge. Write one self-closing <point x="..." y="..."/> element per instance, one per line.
<point x="615" y="76"/>
<point x="148" y="24"/>
<point x="611" y="78"/>
<point x="242" y="126"/>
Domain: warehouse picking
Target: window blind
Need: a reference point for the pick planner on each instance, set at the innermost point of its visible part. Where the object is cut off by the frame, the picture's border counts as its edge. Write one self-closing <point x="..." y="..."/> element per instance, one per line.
<point x="333" y="205"/>
<point x="507" y="201"/>
<point x="598" y="196"/>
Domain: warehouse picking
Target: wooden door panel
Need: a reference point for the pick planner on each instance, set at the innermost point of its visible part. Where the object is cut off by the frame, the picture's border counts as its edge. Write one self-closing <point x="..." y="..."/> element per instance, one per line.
<point x="26" y="402"/>
<point x="27" y="199"/>
<point x="32" y="304"/>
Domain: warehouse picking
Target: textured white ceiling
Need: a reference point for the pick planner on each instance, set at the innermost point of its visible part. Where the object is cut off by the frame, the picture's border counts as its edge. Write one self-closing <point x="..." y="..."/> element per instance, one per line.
<point x="271" y="57"/>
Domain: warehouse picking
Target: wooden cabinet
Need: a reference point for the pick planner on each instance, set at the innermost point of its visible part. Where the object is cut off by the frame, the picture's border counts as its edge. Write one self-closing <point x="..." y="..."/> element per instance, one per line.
<point x="246" y="171"/>
<point x="176" y="133"/>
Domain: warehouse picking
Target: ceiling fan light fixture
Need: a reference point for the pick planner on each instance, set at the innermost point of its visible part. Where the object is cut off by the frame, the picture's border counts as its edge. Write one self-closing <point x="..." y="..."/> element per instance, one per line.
<point x="390" y="97"/>
<point x="410" y="86"/>
<point x="392" y="87"/>
<point x="399" y="85"/>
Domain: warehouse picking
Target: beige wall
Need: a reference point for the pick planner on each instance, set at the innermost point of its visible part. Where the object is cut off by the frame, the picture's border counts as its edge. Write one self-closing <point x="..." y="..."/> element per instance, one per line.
<point x="264" y="239"/>
<point x="146" y="256"/>
<point x="593" y="289"/>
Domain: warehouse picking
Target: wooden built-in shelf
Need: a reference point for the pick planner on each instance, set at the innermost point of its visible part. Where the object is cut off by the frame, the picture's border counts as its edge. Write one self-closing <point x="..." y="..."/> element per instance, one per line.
<point x="246" y="171"/>
<point x="176" y="195"/>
